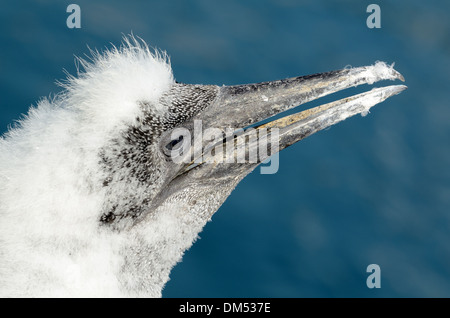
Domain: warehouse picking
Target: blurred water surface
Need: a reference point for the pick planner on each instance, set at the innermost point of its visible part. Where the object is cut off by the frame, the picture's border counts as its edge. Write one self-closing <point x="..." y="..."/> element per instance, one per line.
<point x="369" y="190"/>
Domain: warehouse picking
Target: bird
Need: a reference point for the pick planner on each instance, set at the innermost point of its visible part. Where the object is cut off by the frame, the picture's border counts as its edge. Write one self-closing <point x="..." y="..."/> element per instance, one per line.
<point x="92" y="201"/>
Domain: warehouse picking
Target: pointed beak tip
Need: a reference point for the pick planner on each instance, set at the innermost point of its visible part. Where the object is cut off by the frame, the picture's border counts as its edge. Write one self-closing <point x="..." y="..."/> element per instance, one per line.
<point x="400" y="76"/>
<point x="401" y="88"/>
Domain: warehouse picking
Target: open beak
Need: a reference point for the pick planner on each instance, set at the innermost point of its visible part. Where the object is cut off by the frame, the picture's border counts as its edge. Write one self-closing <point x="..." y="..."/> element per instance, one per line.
<point x="214" y="171"/>
<point x="241" y="106"/>
<point x="295" y="127"/>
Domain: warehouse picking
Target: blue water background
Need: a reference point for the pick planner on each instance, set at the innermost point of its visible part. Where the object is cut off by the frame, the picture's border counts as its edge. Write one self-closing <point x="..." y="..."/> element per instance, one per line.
<point x="369" y="190"/>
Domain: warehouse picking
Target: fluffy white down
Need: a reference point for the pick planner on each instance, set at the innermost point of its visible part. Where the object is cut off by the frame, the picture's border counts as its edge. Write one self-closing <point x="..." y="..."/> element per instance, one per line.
<point x="49" y="195"/>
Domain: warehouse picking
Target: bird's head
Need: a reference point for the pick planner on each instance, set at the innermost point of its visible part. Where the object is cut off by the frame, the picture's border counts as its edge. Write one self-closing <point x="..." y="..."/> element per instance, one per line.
<point x="160" y="157"/>
<point x="169" y="142"/>
<point x="173" y="163"/>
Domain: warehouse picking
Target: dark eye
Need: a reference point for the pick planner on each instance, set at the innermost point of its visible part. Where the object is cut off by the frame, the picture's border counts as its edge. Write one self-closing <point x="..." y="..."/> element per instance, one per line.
<point x="175" y="144"/>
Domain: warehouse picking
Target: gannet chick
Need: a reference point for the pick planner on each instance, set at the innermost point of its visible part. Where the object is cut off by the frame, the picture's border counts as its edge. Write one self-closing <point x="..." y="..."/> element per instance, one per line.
<point x="92" y="202"/>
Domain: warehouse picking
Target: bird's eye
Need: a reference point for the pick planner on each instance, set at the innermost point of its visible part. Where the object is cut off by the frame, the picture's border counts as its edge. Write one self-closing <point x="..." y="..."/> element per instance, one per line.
<point x="175" y="144"/>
